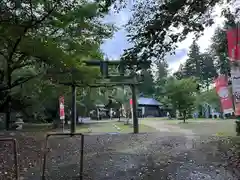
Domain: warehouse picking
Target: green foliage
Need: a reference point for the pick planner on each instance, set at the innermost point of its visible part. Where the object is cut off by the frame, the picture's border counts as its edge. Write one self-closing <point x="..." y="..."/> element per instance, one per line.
<point x="160" y="83"/>
<point x="182" y="95"/>
<point x="218" y="48"/>
<point x="210" y="97"/>
<point x="156" y="26"/>
<point x="43" y="43"/>
<point x="198" y="65"/>
<point x="147" y="85"/>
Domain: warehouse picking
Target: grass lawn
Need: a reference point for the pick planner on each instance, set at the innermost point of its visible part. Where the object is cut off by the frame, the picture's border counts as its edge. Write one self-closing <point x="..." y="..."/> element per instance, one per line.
<point x="207" y="127"/>
<point x="96" y="128"/>
<point x="128" y="128"/>
<point x="111" y="127"/>
<point x="34" y="127"/>
<point x="201" y="126"/>
<point x="217" y="127"/>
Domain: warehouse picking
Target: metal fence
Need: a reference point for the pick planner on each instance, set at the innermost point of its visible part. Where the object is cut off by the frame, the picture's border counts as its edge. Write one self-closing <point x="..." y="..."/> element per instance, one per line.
<point x="9" y="152"/>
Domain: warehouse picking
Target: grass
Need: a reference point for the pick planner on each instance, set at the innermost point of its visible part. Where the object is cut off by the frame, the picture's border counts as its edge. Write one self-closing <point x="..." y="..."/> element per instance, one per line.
<point x="96" y="128"/>
<point x="198" y="126"/>
<point x="207" y="126"/>
<point x="201" y="126"/>
<point x="33" y="127"/>
<point x="128" y="128"/>
<point x="111" y="127"/>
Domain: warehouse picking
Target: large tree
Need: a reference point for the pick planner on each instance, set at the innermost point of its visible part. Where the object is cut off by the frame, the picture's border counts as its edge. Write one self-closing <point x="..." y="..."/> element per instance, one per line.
<point x="198" y="65"/>
<point x="208" y="70"/>
<point x="182" y="95"/>
<point x="156" y="26"/>
<point x="192" y="66"/>
<point x="147" y="85"/>
<point x="37" y="37"/>
<point x="218" y="48"/>
<point x="160" y="82"/>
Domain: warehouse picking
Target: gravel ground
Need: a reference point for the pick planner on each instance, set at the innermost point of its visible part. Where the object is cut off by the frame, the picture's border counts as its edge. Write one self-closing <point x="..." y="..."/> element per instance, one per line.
<point x="126" y="157"/>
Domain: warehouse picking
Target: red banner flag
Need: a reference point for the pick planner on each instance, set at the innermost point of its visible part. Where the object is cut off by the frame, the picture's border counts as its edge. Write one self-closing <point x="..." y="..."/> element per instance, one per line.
<point x="130" y="102"/>
<point x="221" y="85"/>
<point x="233" y="38"/>
<point x="61" y="107"/>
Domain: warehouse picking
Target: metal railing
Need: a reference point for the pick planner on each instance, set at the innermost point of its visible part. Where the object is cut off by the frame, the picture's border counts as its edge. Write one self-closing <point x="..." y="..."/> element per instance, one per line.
<point x="46" y="152"/>
<point x="15" y="154"/>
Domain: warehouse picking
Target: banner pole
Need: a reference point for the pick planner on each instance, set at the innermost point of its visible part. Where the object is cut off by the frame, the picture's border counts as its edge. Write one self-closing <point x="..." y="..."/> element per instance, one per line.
<point x="237" y="49"/>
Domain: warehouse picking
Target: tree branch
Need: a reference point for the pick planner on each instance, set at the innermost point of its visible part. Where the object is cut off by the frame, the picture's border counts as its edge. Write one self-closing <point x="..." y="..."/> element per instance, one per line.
<point x="18" y="82"/>
<point x="21" y="65"/>
<point x="25" y="31"/>
<point x="3" y="55"/>
<point x="22" y="80"/>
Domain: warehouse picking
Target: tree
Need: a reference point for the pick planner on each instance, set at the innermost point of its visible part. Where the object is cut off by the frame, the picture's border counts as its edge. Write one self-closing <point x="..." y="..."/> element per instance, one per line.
<point x="147" y="85"/>
<point x="38" y="36"/>
<point x="210" y="97"/>
<point x="162" y="70"/>
<point x="182" y="95"/>
<point x="198" y="65"/>
<point x="193" y="64"/>
<point x="156" y="26"/>
<point x="219" y="48"/>
<point x="161" y="80"/>
<point x="208" y="70"/>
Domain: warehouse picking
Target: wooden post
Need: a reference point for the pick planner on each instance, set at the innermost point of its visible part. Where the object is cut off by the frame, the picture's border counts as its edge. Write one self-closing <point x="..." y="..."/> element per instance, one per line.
<point x="134" y="109"/>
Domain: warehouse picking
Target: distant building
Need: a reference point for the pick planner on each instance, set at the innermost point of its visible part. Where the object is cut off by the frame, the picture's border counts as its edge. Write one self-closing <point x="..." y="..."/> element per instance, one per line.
<point x="149" y="107"/>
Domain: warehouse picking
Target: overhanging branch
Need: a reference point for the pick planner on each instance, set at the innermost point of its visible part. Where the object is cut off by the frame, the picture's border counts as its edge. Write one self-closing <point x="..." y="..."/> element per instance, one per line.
<point x="17" y="82"/>
<point x="31" y="25"/>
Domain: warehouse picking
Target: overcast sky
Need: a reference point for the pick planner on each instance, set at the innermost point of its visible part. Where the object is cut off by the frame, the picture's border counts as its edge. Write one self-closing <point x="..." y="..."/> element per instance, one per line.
<point x="113" y="48"/>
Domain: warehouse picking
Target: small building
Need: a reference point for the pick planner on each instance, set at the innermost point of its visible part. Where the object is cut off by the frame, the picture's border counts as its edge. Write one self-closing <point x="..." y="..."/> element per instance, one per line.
<point x="149" y="107"/>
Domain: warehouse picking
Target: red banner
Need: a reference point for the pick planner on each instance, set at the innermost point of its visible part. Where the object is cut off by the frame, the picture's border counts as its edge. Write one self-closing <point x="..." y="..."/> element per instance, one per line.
<point x="130" y="102"/>
<point x="221" y="85"/>
<point x="233" y="38"/>
<point x="61" y="107"/>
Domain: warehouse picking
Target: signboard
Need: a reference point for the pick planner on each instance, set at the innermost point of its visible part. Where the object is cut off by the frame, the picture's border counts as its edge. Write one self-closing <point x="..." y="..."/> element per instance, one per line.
<point x="61" y="108"/>
<point x="221" y="85"/>
<point x="233" y="38"/>
<point x="235" y="75"/>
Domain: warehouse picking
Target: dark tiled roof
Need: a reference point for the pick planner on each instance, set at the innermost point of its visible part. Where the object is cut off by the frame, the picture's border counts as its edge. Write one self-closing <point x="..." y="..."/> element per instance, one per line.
<point x="148" y="101"/>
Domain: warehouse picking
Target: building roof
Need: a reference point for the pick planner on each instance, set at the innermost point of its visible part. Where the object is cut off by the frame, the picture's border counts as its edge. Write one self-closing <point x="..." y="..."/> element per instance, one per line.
<point x="148" y="101"/>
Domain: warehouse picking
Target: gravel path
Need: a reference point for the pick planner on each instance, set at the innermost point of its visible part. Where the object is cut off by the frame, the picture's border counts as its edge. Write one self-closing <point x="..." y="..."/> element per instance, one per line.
<point x="146" y="156"/>
<point x="175" y="155"/>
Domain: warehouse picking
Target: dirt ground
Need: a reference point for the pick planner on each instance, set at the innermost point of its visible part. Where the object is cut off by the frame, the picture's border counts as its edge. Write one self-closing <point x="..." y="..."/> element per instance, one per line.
<point x="173" y="152"/>
<point x="154" y="156"/>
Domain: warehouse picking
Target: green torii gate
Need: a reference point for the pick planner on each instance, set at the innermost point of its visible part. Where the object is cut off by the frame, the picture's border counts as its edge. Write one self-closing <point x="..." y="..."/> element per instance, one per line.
<point x="130" y="80"/>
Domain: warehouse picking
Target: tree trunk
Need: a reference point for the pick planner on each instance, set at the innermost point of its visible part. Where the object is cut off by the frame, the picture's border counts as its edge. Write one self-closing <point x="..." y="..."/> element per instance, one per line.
<point x="184" y="116"/>
<point x="8" y="104"/>
<point x="238" y="127"/>
<point x="119" y="114"/>
<point x="207" y="85"/>
<point x="8" y="113"/>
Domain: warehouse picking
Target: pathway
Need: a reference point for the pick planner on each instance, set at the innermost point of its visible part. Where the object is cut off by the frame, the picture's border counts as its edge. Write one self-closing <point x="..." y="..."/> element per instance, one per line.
<point x="170" y="154"/>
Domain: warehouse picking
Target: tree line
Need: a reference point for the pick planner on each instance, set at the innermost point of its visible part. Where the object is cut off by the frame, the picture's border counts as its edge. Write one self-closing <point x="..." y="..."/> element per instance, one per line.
<point x="191" y="86"/>
<point x="43" y="44"/>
